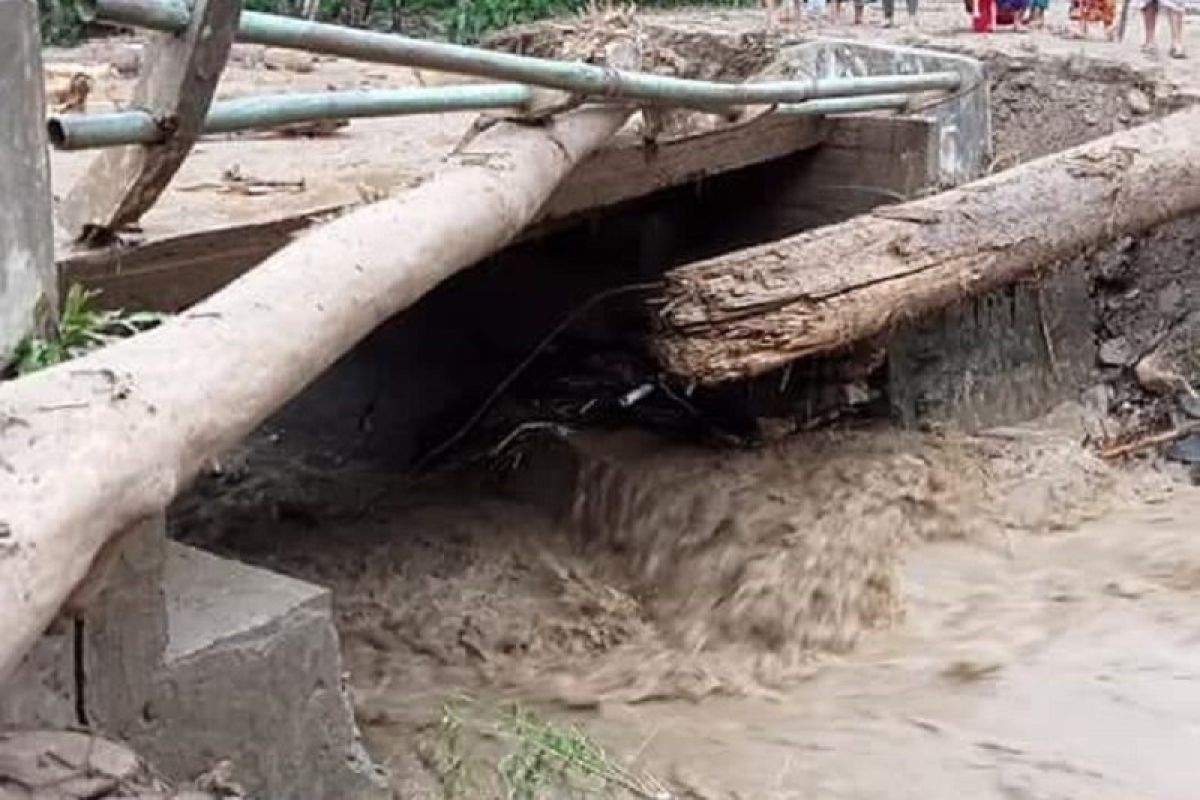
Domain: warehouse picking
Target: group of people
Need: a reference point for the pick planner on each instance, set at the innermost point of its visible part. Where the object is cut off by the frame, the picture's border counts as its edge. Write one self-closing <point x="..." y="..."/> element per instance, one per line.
<point x="1024" y="13"/>
<point x="834" y="7"/>
<point x="1104" y="12"/>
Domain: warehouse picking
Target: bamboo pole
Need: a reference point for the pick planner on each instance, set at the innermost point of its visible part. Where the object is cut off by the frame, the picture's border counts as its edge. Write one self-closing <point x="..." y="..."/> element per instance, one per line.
<point x="575" y="77"/>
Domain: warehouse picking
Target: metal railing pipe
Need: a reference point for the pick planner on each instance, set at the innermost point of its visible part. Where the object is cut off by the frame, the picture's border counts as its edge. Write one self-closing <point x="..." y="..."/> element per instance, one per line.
<point x="846" y="105"/>
<point x="575" y="77"/>
<point x="85" y="131"/>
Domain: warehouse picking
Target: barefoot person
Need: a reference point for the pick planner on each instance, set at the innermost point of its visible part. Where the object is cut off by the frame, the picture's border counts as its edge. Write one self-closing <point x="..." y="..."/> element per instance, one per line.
<point x="835" y="11"/>
<point x="1036" y="18"/>
<point x="1086" y="12"/>
<point x="1173" y="9"/>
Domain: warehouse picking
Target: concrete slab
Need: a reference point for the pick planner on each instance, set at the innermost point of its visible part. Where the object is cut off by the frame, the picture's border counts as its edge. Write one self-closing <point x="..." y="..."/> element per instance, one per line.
<point x="962" y="119"/>
<point x="252" y="673"/>
<point x="41" y="694"/>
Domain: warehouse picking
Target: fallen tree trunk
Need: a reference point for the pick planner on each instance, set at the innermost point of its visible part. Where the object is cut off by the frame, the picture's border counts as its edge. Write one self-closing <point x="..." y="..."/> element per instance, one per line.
<point x="90" y="448"/>
<point x="745" y="313"/>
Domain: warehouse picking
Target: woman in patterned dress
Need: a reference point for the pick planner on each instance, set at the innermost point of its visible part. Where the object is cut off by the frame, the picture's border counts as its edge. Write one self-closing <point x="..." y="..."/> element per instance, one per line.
<point x="1086" y="12"/>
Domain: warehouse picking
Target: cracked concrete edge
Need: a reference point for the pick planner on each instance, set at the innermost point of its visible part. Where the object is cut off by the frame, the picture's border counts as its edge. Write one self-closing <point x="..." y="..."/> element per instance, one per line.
<point x="27" y="272"/>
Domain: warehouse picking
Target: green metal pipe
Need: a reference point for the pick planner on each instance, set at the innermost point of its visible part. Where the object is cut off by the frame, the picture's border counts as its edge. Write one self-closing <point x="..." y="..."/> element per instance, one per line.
<point x="576" y="77"/>
<point x="86" y="131"/>
<point x="171" y="16"/>
<point x="846" y="105"/>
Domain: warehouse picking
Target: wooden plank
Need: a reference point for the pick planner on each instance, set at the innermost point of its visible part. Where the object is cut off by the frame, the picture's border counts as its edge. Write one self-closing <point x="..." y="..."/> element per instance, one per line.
<point x="172" y="273"/>
<point x="178" y="80"/>
<point x="631" y="170"/>
<point x="175" y="271"/>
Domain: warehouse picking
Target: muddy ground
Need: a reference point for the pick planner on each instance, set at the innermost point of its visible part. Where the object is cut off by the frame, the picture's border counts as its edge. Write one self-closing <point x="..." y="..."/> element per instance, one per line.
<point x="852" y="613"/>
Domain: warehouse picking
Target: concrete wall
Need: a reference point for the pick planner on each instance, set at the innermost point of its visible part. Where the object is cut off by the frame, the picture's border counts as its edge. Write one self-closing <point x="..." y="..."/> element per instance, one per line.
<point x="26" y="233"/>
<point x="193" y="659"/>
<point x="963" y="118"/>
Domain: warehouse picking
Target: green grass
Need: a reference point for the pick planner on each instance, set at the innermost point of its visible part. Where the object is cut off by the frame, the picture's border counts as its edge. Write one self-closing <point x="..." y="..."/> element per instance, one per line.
<point x="81" y="329"/>
<point x="508" y="752"/>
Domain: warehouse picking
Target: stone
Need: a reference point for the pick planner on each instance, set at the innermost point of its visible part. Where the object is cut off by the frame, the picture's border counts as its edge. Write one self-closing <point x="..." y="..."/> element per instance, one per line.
<point x="252" y="675"/>
<point x="289" y="60"/>
<point x="1116" y="352"/>
<point x="1185" y="450"/>
<point x="1138" y="101"/>
<point x="1158" y="374"/>
<point x="1170" y="299"/>
<point x="41" y="693"/>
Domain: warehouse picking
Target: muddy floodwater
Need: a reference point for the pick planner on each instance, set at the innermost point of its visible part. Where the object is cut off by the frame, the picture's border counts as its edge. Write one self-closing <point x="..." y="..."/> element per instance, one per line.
<point x="1068" y="667"/>
<point x="862" y="614"/>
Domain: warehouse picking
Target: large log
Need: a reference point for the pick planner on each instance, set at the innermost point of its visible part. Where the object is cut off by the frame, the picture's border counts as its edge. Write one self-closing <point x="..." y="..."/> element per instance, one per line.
<point x="745" y="313"/>
<point x="89" y="448"/>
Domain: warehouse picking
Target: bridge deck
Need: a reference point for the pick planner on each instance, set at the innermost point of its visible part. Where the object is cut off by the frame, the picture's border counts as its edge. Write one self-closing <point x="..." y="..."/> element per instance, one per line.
<point x="206" y="230"/>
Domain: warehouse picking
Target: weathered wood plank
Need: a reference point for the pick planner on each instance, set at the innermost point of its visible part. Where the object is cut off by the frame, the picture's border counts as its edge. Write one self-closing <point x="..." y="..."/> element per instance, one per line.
<point x="173" y="272"/>
<point x="177" y="83"/>
<point x="631" y="170"/>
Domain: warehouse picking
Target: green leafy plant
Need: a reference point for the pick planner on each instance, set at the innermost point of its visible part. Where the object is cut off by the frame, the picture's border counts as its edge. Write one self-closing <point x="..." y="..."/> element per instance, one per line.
<point x="81" y="328"/>
<point x="60" y="22"/>
<point x="526" y="758"/>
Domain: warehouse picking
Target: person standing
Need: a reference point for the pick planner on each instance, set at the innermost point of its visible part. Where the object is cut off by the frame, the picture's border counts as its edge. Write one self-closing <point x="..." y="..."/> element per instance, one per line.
<point x="1086" y="12"/>
<point x="1173" y="9"/>
<point x="1036" y="17"/>
<point x="889" y="13"/>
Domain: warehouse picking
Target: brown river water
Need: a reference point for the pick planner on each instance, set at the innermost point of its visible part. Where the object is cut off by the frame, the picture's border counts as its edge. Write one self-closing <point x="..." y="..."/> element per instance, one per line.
<point x="866" y="614"/>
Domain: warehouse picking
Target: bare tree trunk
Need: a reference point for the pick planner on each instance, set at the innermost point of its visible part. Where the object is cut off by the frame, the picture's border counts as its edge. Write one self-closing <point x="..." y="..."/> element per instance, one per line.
<point x="90" y="448"/>
<point x="754" y="310"/>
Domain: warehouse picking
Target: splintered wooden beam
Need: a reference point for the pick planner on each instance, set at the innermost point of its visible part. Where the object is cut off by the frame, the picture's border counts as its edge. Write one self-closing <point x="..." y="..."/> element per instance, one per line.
<point x="748" y="312"/>
<point x="177" y="84"/>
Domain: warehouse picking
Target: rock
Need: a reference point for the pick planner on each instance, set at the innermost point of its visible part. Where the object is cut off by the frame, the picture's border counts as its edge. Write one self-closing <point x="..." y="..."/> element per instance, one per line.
<point x="43" y="764"/>
<point x="1116" y="352"/>
<point x="1185" y="450"/>
<point x="290" y="60"/>
<point x="1023" y="79"/>
<point x="127" y="61"/>
<point x="248" y="55"/>
<point x="1158" y="374"/>
<point x="1170" y="299"/>
<point x="1126" y="588"/>
<point x="1189" y="404"/>
<point x="1138" y="101"/>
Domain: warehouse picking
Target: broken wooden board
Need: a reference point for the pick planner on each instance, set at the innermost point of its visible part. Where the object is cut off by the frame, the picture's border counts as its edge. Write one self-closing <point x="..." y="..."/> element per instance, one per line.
<point x="177" y="85"/>
<point x="173" y="271"/>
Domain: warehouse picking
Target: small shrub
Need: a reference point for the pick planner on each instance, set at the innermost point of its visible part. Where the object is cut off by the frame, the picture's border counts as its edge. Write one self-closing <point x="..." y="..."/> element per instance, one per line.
<point x="80" y="330"/>
<point x="60" y="23"/>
